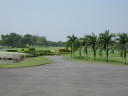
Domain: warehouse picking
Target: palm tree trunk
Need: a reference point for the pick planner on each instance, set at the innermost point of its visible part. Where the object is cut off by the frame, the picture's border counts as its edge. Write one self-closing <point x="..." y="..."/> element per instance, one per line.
<point x="86" y="51"/>
<point x="100" y="52"/>
<point x="80" y="52"/>
<point x="125" y="55"/>
<point x="107" y="54"/>
<point x="71" y="51"/>
<point x="94" y="54"/>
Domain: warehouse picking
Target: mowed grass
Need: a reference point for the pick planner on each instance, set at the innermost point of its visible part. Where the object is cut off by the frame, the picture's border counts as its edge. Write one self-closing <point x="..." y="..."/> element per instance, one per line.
<point x="28" y="62"/>
<point x="5" y="49"/>
<point x="114" y="59"/>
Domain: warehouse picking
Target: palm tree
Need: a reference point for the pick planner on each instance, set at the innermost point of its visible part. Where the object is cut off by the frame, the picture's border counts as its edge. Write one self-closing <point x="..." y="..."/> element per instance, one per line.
<point x="93" y="43"/>
<point x="85" y="44"/>
<point x="114" y="46"/>
<point x="100" y="47"/>
<point x="106" y="41"/>
<point x="123" y="44"/>
<point x="71" y="42"/>
<point x="79" y="45"/>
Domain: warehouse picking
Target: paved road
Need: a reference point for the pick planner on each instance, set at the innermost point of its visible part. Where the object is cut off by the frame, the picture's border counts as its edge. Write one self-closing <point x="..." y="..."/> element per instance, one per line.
<point x="65" y="78"/>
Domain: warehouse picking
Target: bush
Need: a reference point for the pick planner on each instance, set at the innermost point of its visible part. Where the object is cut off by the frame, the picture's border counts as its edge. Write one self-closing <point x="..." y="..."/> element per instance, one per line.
<point x="64" y="51"/>
<point x="25" y="50"/>
<point x="12" y="50"/>
<point x="39" y="53"/>
<point x="45" y="52"/>
<point x="31" y="52"/>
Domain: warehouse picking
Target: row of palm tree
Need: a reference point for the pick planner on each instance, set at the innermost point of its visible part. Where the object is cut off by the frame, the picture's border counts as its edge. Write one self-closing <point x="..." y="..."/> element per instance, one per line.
<point x="104" y="42"/>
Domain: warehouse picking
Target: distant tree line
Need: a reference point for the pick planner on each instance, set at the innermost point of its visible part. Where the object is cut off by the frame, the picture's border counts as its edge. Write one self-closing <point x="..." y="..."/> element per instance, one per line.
<point x="104" y="42"/>
<point x="20" y="41"/>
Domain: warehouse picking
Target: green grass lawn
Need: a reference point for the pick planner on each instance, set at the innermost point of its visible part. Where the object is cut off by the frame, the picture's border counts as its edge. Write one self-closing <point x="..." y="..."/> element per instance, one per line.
<point x="114" y="59"/>
<point x="28" y="62"/>
<point x="4" y="49"/>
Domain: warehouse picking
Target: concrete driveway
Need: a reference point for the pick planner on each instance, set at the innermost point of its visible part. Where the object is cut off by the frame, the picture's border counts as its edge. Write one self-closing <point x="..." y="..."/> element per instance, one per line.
<point x="65" y="78"/>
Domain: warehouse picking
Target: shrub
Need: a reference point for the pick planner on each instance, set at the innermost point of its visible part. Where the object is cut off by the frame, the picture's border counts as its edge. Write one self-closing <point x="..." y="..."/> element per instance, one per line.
<point x="45" y="52"/>
<point x="64" y="51"/>
<point x="31" y="52"/>
<point x="12" y="50"/>
<point x="25" y="50"/>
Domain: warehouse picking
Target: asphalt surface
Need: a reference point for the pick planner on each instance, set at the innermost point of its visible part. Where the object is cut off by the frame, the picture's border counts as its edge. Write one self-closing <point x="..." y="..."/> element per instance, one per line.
<point x="65" y="78"/>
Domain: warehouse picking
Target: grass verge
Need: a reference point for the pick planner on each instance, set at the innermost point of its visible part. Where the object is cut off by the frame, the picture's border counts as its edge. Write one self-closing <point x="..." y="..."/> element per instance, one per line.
<point x="28" y="62"/>
<point x="97" y="61"/>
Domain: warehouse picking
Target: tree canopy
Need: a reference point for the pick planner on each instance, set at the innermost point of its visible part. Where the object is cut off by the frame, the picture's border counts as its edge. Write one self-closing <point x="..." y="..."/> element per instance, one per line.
<point x="17" y="40"/>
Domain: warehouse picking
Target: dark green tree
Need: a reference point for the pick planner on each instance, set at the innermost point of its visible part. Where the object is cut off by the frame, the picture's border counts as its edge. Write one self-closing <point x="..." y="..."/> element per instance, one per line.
<point x="123" y="45"/>
<point x="85" y="44"/>
<point x="93" y="43"/>
<point x="106" y="41"/>
<point x="71" y="42"/>
<point x="79" y="45"/>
